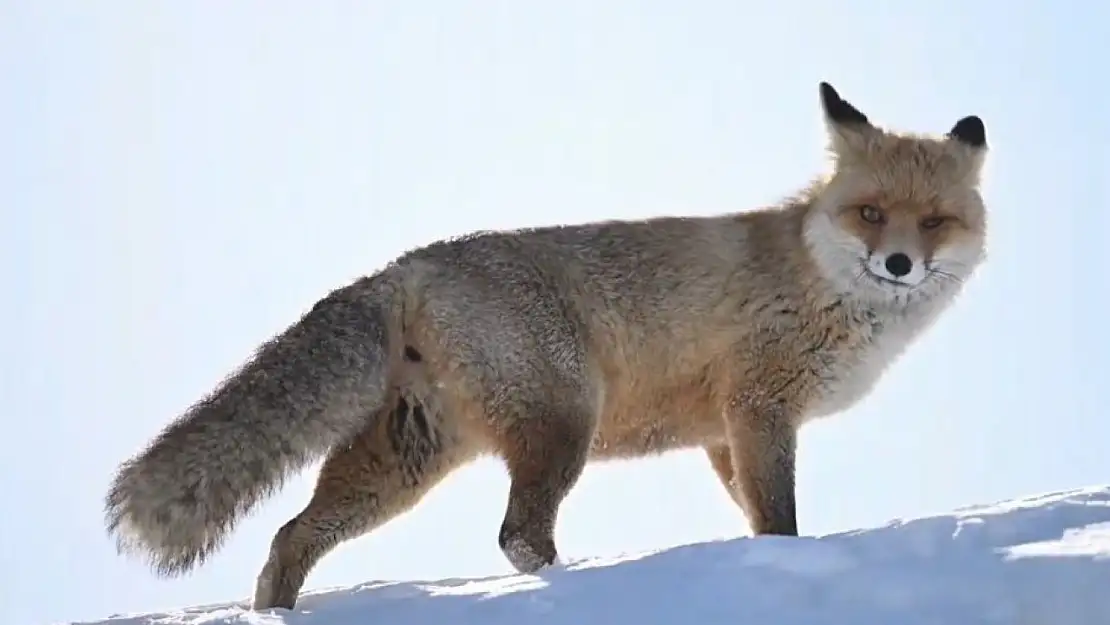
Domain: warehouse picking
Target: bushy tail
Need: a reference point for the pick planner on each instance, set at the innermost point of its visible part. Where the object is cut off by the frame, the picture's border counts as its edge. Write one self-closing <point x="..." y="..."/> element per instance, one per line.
<point x="305" y="390"/>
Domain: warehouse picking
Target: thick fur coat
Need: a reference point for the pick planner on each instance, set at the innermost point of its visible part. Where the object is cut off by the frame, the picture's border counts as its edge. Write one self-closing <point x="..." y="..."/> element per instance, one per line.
<point x="553" y="347"/>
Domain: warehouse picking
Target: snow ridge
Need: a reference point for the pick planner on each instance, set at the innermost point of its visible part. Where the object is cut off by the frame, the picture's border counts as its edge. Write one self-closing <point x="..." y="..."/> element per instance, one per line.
<point x="1041" y="559"/>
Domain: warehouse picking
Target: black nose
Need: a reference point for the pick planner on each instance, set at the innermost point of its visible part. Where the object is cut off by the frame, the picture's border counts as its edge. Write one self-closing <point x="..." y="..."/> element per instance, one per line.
<point x="898" y="264"/>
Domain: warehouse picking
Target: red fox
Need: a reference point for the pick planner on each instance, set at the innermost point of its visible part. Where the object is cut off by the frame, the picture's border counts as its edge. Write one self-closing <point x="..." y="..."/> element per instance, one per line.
<point x="558" y="346"/>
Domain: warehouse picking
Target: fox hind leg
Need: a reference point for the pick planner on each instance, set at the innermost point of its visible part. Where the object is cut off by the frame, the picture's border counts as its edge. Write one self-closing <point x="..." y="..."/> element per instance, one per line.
<point x="545" y="453"/>
<point x="385" y="471"/>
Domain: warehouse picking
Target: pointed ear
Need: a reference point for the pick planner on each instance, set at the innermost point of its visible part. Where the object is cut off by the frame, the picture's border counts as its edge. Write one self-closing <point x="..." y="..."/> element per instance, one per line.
<point x="970" y="131"/>
<point x="848" y="127"/>
<point x="970" y="134"/>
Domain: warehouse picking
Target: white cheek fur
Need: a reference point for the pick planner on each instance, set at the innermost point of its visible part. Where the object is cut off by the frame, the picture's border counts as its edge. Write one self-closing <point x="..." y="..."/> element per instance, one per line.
<point x="837" y="253"/>
<point x="960" y="260"/>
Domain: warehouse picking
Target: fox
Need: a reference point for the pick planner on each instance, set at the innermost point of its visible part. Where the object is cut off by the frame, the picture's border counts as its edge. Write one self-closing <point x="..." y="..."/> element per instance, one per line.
<point x="557" y="346"/>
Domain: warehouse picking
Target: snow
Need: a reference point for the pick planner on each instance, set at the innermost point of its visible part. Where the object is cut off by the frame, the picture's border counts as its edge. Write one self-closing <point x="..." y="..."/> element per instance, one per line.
<point x="1042" y="559"/>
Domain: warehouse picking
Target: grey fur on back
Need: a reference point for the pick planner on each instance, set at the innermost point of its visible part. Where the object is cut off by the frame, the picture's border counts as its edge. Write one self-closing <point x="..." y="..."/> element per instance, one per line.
<point x="302" y="392"/>
<point x="640" y="275"/>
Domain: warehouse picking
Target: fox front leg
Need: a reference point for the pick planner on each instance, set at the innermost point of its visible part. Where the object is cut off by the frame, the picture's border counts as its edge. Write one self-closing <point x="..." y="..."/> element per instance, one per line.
<point x="762" y="441"/>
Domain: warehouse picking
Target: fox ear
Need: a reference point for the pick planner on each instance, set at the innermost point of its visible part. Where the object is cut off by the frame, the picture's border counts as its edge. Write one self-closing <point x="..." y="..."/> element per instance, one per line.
<point x="971" y="136"/>
<point x="848" y="127"/>
<point x="970" y="131"/>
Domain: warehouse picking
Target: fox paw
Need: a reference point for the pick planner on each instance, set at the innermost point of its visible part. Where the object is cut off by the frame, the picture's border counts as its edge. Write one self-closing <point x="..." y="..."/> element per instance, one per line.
<point x="528" y="558"/>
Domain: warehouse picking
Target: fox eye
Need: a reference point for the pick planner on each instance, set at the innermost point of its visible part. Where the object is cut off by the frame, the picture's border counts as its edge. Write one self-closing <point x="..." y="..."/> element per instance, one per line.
<point x="870" y="214"/>
<point x="930" y="223"/>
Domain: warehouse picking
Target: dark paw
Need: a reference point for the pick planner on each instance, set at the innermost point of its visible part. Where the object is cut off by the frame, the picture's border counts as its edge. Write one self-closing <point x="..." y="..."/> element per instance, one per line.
<point x="527" y="554"/>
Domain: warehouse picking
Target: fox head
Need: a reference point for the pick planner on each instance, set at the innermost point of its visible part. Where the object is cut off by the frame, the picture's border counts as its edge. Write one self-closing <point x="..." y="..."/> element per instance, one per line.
<point x="901" y="217"/>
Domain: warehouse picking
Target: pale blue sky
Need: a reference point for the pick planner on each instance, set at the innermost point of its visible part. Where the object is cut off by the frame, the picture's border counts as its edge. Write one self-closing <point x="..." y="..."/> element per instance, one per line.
<point x="182" y="180"/>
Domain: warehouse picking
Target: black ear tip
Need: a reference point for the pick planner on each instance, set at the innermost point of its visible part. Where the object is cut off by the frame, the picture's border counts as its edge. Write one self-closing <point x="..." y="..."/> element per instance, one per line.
<point x="970" y="130"/>
<point x="838" y="109"/>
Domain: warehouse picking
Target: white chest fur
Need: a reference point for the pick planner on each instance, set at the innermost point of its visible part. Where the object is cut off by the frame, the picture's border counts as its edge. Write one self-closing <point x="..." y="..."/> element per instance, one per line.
<point x="854" y="375"/>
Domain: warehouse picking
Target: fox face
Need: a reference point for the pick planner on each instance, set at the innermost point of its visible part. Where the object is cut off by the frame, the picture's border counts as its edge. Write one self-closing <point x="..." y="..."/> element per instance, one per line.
<point x="901" y="217"/>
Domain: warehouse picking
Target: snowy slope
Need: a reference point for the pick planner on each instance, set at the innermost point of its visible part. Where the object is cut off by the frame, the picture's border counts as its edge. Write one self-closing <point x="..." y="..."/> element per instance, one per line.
<point x="1039" y="560"/>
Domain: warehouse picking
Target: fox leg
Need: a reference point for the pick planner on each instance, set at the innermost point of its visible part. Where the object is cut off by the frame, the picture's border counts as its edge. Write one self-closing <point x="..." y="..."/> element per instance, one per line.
<point x="761" y="454"/>
<point x="546" y="453"/>
<point x="385" y="471"/>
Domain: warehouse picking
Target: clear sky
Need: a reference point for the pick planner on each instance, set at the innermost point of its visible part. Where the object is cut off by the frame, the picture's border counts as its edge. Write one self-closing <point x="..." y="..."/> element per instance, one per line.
<point x="179" y="181"/>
